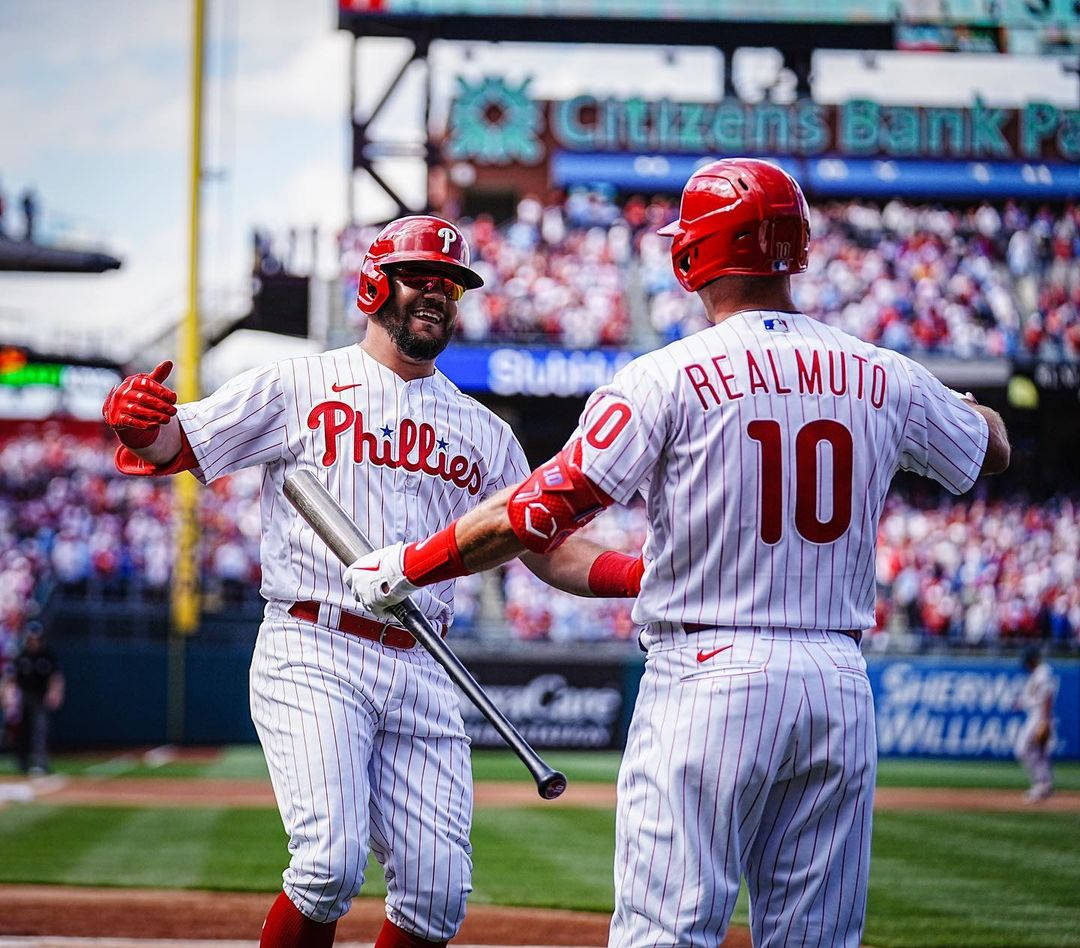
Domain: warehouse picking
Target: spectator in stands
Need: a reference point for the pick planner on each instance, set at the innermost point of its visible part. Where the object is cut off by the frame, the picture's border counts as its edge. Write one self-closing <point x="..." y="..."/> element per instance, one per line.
<point x="979" y="281"/>
<point x="554" y="273"/>
<point x="981" y="574"/>
<point x="972" y="573"/>
<point x="973" y="282"/>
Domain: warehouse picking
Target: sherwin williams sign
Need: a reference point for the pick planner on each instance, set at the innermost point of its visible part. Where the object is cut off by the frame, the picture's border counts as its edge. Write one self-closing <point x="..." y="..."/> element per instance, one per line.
<point x="947" y="708"/>
<point x="493" y="122"/>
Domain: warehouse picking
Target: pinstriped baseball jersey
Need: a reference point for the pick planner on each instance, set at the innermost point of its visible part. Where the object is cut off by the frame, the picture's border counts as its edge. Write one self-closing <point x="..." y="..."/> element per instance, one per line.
<point x="404" y="458"/>
<point x="364" y="742"/>
<point x="764" y="447"/>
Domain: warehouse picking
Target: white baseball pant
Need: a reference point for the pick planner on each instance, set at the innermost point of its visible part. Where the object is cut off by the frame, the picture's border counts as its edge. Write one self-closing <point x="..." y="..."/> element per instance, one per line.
<point x="751" y="752"/>
<point x="365" y="742"/>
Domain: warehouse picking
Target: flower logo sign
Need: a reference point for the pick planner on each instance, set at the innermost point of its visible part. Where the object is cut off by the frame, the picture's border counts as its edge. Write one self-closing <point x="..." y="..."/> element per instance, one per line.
<point x="495" y="123"/>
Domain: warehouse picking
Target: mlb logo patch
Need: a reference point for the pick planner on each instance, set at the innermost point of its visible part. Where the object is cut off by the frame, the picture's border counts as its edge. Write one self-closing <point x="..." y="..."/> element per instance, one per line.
<point x="775" y="324"/>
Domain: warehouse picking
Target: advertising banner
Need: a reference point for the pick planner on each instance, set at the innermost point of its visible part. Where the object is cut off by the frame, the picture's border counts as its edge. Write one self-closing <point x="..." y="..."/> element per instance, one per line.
<point x="930" y="707"/>
<point x="33" y="389"/>
<point x="497" y="122"/>
<point x="538" y="371"/>
<point x="553" y="704"/>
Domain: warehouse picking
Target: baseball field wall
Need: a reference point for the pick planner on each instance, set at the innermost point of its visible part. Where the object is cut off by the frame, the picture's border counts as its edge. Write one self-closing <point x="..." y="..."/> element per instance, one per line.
<point x="927" y="706"/>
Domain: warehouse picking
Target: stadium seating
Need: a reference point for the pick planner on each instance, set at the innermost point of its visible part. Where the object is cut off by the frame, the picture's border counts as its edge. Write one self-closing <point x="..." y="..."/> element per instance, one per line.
<point x="969" y="281"/>
<point x="951" y="572"/>
<point x="978" y="281"/>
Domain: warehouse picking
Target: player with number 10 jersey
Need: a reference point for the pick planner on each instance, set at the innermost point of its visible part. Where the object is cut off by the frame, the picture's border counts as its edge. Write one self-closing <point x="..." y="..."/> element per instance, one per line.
<point x="779" y="438"/>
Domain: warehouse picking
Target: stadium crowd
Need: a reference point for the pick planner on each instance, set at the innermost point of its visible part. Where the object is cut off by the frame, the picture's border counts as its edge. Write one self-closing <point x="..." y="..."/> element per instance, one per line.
<point x="553" y="274"/>
<point x="964" y="282"/>
<point x="979" y="280"/>
<point x="967" y="282"/>
<point x="951" y="572"/>
<point x="71" y="526"/>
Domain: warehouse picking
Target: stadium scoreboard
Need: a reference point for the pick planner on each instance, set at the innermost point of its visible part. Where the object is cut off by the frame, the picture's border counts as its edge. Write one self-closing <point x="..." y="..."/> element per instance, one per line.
<point x="840" y="11"/>
<point x="1009" y="13"/>
<point x="1026" y="26"/>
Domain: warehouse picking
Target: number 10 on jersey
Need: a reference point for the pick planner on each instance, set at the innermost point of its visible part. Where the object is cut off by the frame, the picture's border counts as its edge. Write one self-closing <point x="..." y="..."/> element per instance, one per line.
<point x="808" y="523"/>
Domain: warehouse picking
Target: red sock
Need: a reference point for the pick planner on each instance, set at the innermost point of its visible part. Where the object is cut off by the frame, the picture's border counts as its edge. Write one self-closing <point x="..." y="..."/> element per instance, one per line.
<point x="390" y="936"/>
<point x="287" y="927"/>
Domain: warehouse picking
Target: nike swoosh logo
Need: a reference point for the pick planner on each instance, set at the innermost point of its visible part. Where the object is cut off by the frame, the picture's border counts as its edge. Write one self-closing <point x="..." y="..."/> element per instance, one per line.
<point x="419" y="546"/>
<point x="370" y="569"/>
<point x="705" y="656"/>
<point x="341" y="388"/>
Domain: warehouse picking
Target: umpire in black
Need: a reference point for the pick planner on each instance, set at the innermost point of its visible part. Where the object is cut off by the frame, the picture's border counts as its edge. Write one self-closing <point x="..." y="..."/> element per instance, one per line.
<point x="40" y="686"/>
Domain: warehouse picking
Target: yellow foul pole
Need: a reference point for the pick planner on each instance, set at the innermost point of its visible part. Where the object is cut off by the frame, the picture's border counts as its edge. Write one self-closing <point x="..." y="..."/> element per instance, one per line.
<point x="185" y="587"/>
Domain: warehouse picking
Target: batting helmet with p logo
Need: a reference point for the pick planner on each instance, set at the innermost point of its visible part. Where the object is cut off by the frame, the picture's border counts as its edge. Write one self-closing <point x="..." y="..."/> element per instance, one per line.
<point x="422" y="239"/>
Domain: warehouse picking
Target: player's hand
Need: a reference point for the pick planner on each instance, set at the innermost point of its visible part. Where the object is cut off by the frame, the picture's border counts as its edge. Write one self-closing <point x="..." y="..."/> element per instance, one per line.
<point x="1042" y="735"/>
<point x="378" y="580"/>
<point x="138" y="407"/>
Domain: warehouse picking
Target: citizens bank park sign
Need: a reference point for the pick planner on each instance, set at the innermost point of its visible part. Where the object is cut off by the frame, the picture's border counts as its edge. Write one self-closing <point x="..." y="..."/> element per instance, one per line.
<point x="496" y="122"/>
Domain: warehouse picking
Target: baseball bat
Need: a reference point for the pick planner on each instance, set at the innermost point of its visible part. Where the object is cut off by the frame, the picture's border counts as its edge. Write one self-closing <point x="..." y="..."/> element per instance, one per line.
<point x="333" y="525"/>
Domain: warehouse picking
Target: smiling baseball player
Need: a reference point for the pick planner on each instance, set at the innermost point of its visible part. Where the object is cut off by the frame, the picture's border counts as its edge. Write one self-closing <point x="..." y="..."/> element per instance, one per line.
<point x="764" y="447"/>
<point x="362" y="732"/>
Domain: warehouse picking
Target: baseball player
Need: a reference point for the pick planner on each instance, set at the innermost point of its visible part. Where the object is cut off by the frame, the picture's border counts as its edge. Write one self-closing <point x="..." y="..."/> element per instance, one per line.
<point x="1035" y="738"/>
<point x="361" y="729"/>
<point x="764" y="446"/>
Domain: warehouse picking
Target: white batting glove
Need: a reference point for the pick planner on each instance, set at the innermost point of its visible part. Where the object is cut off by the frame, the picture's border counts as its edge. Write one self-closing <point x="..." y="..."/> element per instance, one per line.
<point x="378" y="581"/>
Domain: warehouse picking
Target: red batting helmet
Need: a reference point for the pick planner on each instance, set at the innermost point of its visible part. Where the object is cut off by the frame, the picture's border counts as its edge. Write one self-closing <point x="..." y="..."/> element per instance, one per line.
<point x="436" y="243"/>
<point x="739" y="216"/>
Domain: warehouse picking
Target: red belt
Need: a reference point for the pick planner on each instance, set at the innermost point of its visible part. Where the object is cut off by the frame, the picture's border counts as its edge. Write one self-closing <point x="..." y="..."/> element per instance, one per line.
<point x="382" y="632"/>
<point x="692" y="627"/>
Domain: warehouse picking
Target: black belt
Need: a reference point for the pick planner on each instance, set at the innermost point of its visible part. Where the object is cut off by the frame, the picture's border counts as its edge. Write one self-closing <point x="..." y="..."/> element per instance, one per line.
<point x="692" y="628"/>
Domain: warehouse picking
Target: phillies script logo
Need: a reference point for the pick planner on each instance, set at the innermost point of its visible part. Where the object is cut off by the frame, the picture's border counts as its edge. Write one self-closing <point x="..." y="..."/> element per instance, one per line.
<point x="415" y="450"/>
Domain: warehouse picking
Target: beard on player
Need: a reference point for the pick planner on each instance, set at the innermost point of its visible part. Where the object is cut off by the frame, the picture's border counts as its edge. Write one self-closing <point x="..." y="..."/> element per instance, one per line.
<point x="420" y="330"/>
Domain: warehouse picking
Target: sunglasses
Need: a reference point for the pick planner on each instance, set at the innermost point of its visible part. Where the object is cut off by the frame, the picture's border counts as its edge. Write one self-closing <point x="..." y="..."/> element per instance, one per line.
<point x="426" y="282"/>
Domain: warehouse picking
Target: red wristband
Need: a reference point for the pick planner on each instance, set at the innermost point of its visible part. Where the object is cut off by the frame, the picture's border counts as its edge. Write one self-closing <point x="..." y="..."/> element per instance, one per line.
<point x="616" y="575"/>
<point x="433" y="560"/>
<point x="128" y="462"/>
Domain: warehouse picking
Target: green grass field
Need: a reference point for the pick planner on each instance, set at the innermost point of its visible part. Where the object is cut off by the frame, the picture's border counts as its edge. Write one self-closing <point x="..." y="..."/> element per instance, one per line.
<point x="246" y="761"/>
<point x="937" y="878"/>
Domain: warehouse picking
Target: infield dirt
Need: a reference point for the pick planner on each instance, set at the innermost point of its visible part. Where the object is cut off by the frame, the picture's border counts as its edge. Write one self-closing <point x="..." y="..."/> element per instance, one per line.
<point x="156" y="913"/>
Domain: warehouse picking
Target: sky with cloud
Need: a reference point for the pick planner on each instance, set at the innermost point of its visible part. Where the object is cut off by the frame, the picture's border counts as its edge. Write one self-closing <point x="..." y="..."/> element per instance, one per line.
<point x="95" y="104"/>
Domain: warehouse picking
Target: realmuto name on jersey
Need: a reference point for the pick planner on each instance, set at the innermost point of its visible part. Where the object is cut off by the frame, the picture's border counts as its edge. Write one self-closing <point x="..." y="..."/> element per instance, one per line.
<point x="817" y="372"/>
<point x="414" y="450"/>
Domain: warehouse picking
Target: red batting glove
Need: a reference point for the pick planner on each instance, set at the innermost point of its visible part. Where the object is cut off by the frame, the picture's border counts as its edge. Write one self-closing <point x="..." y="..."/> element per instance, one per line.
<point x="138" y="407"/>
